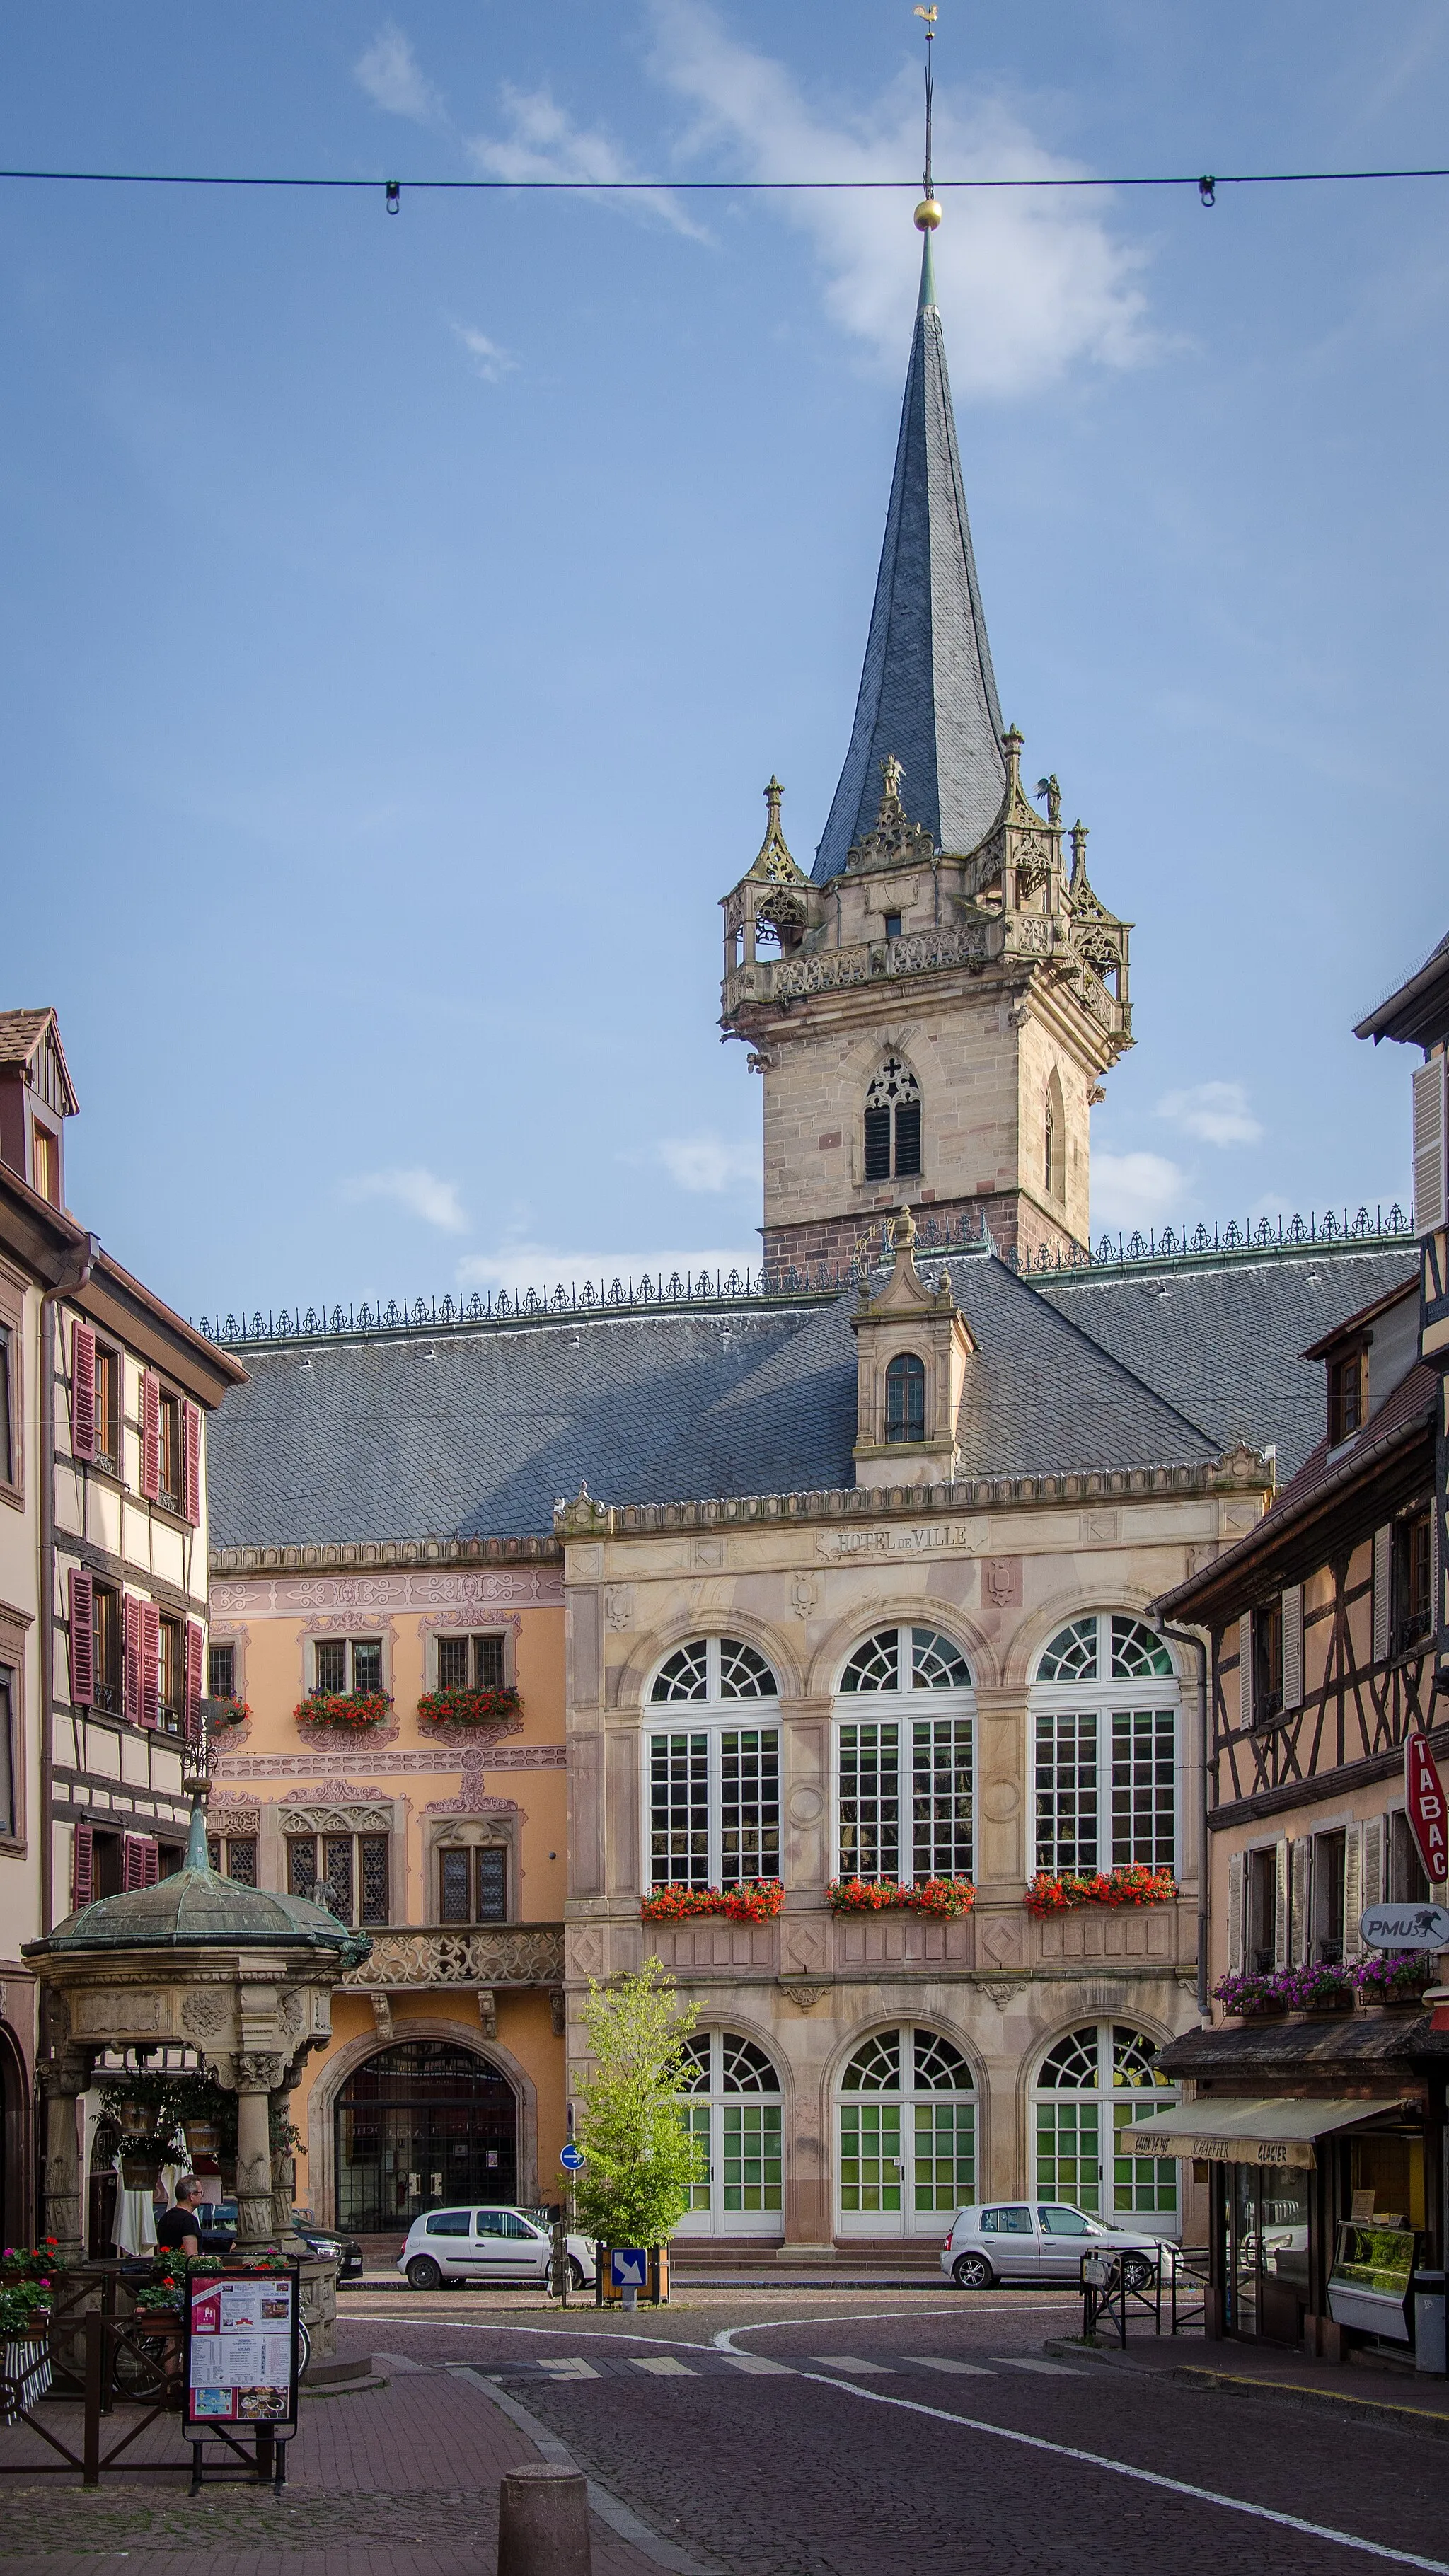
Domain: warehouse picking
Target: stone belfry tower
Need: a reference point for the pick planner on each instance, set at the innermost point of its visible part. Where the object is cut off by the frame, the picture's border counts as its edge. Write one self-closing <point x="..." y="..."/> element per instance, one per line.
<point x="933" y="1008"/>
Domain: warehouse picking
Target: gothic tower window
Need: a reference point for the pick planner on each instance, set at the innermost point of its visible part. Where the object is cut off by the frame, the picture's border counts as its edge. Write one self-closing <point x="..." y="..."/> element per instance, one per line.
<point x="893" y="1124"/>
<point x="1054" y="1158"/>
<point x="906" y="1398"/>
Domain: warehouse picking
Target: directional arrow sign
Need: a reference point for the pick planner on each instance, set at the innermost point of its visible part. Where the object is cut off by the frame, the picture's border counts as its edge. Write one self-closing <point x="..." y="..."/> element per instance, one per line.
<point x="571" y="2158"/>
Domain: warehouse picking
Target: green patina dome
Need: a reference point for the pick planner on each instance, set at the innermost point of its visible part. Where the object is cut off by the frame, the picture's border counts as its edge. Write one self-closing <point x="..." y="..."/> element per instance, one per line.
<point x="196" y="1908"/>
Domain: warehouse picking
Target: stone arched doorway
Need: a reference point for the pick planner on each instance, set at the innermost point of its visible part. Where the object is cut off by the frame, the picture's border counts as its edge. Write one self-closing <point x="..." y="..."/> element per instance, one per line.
<point x="421" y="2125"/>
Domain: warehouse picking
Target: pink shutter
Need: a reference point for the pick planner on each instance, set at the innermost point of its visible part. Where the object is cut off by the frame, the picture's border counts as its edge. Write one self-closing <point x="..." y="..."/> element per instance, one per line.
<point x="195" y="1651"/>
<point x="133" y="1861"/>
<point x="82" y="1867"/>
<point x="150" y="1664"/>
<point x="150" y="1436"/>
<point x="150" y="1860"/>
<point x="82" y="1638"/>
<point x="82" y="1391"/>
<point x="131" y="1694"/>
<point x="191" y="1448"/>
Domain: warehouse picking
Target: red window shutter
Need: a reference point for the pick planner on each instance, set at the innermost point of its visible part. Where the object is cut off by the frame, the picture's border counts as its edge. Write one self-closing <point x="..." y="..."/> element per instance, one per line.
<point x="133" y="1861"/>
<point x="191" y="1442"/>
<point x="82" y="1391"/>
<point x="131" y="1695"/>
<point x="82" y="1638"/>
<point x="195" y="1652"/>
<point x="83" y="1868"/>
<point x="150" y="1664"/>
<point x="150" y="1436"/>
<point x="150" y="1860"/>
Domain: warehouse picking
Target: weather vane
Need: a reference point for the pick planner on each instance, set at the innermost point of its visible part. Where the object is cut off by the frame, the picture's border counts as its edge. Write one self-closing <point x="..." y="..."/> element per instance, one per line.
<point x="928" y="213"/>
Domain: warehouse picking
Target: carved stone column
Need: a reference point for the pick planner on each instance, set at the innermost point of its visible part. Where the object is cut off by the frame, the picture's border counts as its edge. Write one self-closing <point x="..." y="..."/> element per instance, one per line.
<point x="62" y="2079"/>
<point x="254" y="2078"/>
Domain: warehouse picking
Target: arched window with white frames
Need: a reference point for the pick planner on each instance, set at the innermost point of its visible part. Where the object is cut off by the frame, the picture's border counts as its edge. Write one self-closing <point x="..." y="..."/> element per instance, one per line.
<point x="904" y="1749"/>
<point x="1104" y="1717"/>
<point x="905" y="2134"/>
<point x="1091" y="2085"/>
<point x="732" y="2105"/>
<point x="712" y="1773"/>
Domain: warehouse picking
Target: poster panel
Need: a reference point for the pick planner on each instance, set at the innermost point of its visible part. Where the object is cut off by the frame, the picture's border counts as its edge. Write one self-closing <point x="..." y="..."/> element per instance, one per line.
<point x="241" y="2351"/>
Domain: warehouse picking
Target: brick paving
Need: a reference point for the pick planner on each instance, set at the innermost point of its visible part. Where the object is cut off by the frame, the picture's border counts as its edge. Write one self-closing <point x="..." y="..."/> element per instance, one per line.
<point x="400" y="2480"/>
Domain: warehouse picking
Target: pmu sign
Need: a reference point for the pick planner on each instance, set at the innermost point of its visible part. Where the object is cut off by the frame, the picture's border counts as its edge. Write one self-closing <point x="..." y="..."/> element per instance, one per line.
<point x="1424" y="1799"/>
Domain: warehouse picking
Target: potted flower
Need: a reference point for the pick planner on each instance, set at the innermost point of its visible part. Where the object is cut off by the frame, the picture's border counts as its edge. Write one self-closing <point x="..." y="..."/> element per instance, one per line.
<point x="750" y="1900"/>
<point x="494" y="1706"/>
<point x="1320" y="1987"/>
<point x="1250" y="1997"/>
<point x="1130" y="1883"/>
<point x="1398" y="1981"/>
<point x="943" y="1898"/>
<point x="31" y="2262"/>
<point x="25" y="2308"/>
<point x="344" y="1708"/>
<point x="229" y="1711"/>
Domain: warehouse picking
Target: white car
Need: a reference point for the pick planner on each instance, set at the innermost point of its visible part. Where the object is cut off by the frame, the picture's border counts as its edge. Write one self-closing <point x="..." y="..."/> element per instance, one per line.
<point x="486" y="2245"/>
<point x="1018" y="2240"/>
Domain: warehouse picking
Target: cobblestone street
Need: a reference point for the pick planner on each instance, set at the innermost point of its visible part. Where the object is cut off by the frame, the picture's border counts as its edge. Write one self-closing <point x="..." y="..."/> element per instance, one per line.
<point x="793" y="2434"/>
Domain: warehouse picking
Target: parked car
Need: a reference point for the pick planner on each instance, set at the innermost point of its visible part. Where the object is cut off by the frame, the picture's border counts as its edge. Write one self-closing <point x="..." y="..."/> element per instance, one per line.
<point x="486" y="2245"/>
<point x="1042" y="2241"/>
<point x="216" y="2232"/>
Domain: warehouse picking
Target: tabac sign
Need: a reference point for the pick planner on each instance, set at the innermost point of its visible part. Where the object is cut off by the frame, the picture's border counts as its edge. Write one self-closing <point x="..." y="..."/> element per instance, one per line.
<point x="1424" y="1800"/>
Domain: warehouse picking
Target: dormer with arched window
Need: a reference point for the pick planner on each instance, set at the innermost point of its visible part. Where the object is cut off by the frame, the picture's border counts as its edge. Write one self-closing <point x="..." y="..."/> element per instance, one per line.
<point x="912" y="1345"/>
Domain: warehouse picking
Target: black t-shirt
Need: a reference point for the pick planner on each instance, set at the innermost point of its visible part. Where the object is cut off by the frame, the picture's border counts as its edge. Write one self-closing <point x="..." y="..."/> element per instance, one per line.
<point x="175" y="2227"/>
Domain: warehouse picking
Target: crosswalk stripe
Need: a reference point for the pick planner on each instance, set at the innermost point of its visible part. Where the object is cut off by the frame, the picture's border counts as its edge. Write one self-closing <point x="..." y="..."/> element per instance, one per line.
<point x="933" y="2361"/>
<point x="1048" y="2369"/>
<point x="570" y="2366"/>
<point x="755" y="2363"/>
<point x="664" y="2366"/>
<point x="848" y="2361"/>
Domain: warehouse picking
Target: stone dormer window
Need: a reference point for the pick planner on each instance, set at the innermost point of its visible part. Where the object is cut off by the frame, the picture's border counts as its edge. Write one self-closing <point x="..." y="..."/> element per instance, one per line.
<point x="893" y="1124"/>
<point x="906" y="1397"/>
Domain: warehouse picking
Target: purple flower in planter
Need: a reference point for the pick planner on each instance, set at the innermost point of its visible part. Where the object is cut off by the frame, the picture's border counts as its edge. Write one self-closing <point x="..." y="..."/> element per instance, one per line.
<point x="1406" y="1973"/>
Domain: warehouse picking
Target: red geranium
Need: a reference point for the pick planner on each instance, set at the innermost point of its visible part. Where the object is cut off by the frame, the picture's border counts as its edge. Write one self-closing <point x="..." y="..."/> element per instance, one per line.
<point x="943" y="1897"/>
<point x="470" y="1707"/>
<point x="1132" y="1883"/>
<point x="752" y="1900"/>
<point x="344" y="1708"/>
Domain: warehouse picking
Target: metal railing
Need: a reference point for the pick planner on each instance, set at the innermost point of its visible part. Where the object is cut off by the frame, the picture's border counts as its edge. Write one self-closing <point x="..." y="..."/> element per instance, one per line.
<point x="1116" y="2287"/>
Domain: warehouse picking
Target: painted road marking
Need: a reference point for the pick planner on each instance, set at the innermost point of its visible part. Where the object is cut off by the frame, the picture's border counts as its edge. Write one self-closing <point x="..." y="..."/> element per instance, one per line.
<point x="664" y="2366"/>
<point x="756" y="2364"/>
<point x="567" y="2366"/>
<point x="848" y="2361"/>
<point x="966" y="2369"/>
<point x="1047" y="2369"/>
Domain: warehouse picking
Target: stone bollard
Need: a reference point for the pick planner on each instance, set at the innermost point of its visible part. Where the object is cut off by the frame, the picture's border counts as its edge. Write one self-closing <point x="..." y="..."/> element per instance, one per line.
<point x="543" y="2522"/>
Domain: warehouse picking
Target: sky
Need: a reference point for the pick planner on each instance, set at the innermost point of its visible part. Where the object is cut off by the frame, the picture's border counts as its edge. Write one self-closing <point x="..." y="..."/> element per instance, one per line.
<point x="404" y="614"/>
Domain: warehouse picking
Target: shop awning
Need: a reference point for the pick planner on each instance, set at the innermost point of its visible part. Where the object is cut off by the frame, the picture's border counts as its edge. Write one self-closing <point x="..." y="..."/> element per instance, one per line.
<point x="1246" y="2133"/>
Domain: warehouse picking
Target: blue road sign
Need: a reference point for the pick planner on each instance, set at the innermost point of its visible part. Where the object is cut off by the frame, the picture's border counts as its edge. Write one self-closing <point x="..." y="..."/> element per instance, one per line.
<point x="571" y="2158"/>
<point x="629" y="2267"/>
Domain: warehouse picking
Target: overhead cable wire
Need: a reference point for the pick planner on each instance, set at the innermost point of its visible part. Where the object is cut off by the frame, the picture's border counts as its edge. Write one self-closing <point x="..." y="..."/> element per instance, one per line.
<point x="392" y="189"/>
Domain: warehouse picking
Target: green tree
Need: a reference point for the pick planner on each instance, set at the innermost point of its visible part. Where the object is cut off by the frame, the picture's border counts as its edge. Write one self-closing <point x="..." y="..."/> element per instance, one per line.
<point x="641" y="2161"/>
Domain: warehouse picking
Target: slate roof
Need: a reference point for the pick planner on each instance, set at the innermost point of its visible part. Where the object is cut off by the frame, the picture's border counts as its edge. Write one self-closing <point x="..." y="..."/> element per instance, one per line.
<point x="927" y="691"/>
<point x="1224" y="1341"/>
<point x="477" y="1434"/>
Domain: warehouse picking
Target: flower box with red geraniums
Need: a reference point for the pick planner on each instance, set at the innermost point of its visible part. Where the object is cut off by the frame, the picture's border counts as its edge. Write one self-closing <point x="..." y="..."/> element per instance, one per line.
<point x="940" y="1897"/>
<point x="229" y="1711"/>
<point x="755" y="1900"/>
<point x="344" y="1708"/>
<point x="470" y="1707"/>
<point x="1057" y="1892"/>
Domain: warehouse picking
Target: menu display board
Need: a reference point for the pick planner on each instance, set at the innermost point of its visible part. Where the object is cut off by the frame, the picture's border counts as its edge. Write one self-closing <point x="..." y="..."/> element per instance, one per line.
<point x="241" y="2350"/>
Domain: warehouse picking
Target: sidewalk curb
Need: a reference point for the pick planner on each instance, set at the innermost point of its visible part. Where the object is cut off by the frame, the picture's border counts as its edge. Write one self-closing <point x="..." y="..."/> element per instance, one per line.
<point x="1373" y="2410"/>
<point x="620" y="2517"/>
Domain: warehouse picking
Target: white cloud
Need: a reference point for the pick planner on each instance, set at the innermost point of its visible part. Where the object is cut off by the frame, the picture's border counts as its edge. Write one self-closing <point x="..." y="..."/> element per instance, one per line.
<point x="390" y="74"/>
<point x="518" y="1266"/>
<point x="489" y="361"/>
<point x="708" y="1162"/>
<point x="1135" y="1189"/>
<point x="1216" y="1112"/>
<point x="1033" y="281"/>
<point x="418" y="1190"/>
<point x="543" y="142"/>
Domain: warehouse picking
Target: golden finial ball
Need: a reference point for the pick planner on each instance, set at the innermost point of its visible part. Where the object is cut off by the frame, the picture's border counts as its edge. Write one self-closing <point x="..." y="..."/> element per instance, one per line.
<point x="928" y="215"/>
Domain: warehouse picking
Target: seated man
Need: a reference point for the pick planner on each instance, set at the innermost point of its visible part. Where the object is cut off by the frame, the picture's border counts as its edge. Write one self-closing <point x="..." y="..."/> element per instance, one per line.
<point x="176" y="2233"/>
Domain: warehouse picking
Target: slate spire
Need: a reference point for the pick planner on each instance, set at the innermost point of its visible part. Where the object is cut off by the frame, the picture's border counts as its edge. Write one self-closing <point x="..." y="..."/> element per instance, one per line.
<point x="927" y="692"/>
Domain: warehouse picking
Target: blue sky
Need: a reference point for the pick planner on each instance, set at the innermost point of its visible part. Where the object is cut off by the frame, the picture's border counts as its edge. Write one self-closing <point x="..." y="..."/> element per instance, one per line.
<point x="403" y="616"/>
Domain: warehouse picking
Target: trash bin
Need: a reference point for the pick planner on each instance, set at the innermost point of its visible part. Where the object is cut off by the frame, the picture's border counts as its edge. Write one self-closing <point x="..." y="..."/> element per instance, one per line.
<point x="1429" y="2322"/>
